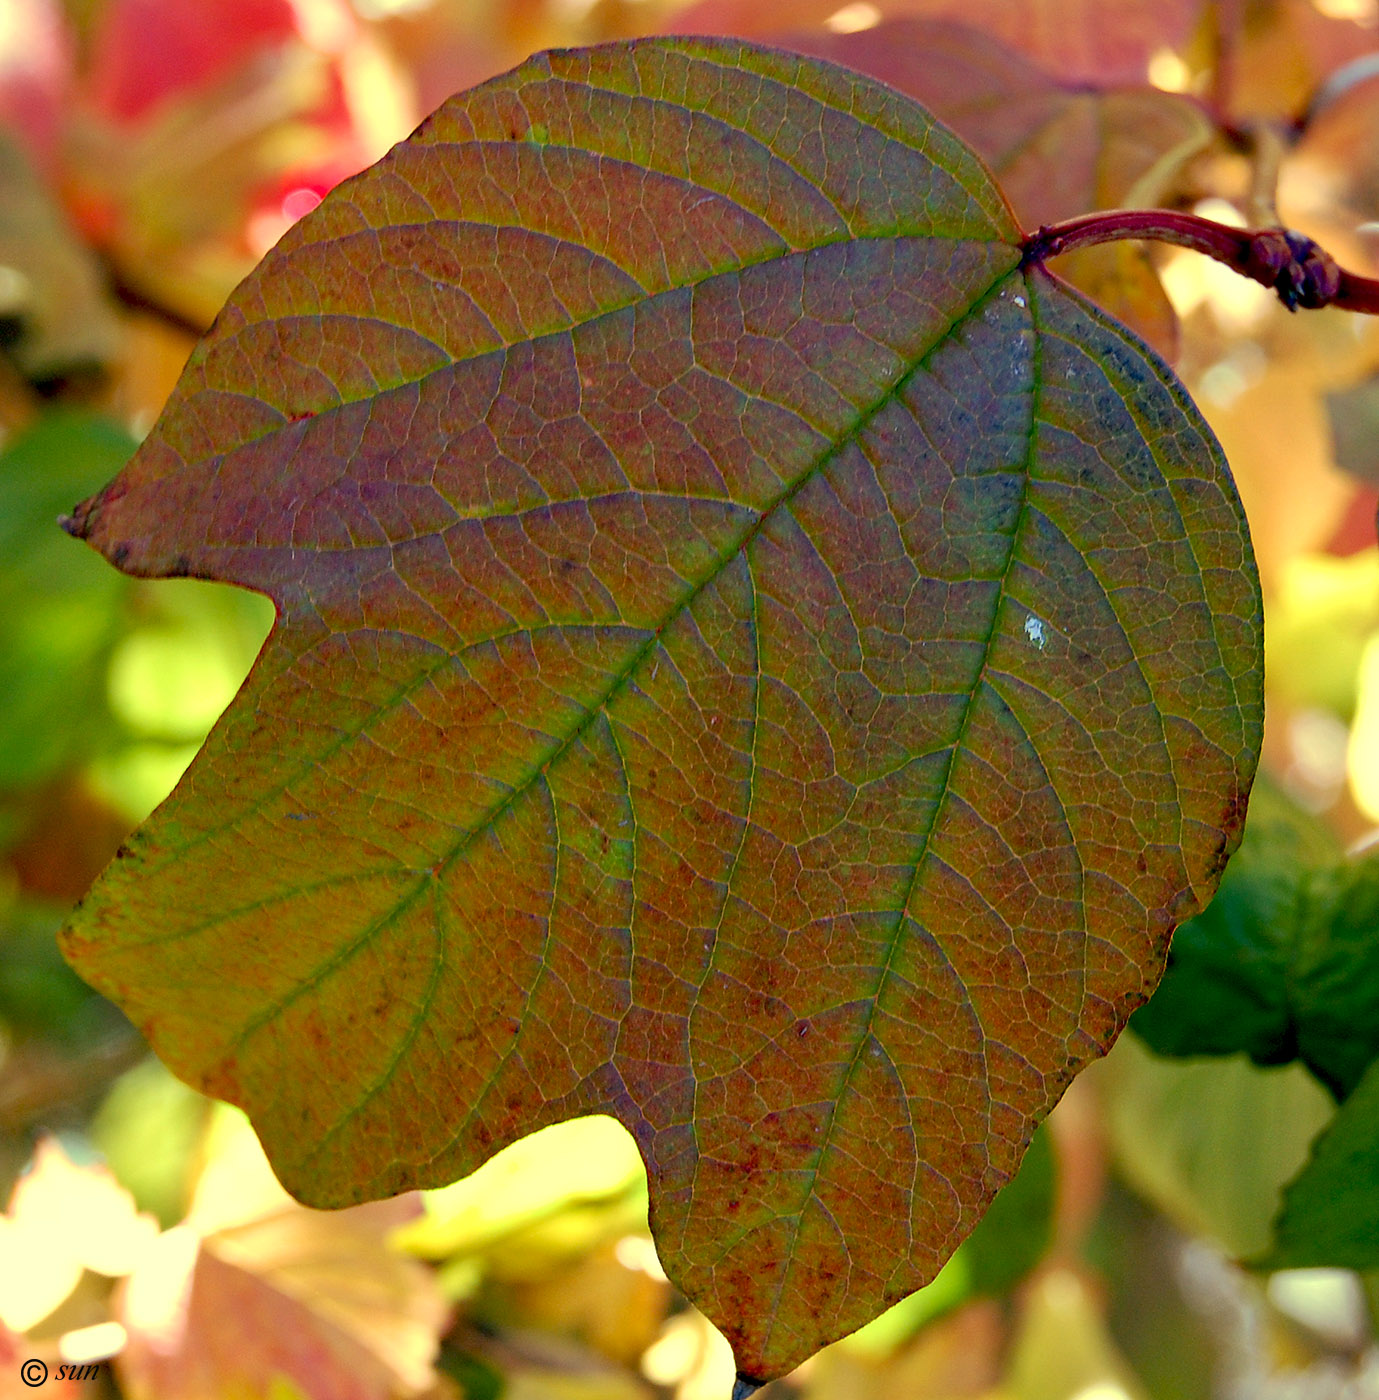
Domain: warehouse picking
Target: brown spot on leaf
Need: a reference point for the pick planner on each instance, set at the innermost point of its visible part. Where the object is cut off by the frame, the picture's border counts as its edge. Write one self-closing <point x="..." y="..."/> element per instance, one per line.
<point x="1234" y="812"/>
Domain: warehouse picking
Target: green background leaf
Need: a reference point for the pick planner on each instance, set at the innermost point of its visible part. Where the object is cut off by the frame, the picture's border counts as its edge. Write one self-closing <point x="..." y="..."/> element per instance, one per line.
<point x="751" y="659"/>
<point x="60" y="609"/>
<point x="1284" y="962"/>
<point x="1330" y="1213"/>
<point x="1212" y="1142"/>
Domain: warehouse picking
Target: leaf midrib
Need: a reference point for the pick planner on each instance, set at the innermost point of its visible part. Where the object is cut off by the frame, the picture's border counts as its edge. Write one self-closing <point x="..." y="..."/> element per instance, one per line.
<point x="807" y="1192"/>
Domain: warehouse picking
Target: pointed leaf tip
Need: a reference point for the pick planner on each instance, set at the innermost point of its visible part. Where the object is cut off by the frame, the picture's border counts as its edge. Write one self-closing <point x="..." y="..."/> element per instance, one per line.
<point x="78" y="522"/>
<point x="744" y="1387"/>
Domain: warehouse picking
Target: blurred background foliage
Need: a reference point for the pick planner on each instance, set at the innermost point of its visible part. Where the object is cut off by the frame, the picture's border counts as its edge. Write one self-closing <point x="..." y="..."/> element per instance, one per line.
<point x="1199" y="1218"/>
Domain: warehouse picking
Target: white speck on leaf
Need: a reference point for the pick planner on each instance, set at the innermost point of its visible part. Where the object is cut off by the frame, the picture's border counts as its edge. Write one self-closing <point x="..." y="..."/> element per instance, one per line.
<point x="1034" y="630"/>
<point x="1019" y="301"/>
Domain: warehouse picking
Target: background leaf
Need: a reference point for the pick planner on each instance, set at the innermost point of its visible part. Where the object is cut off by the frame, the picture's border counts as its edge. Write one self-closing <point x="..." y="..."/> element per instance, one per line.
<point x="51" y="296"/>
<point x="1283" y="964"/>
<point x="1286" y="48"/>
<point x="1354" y="417"/>
<point x="1212" y="1142"/>
<point x="1330" y="1213"/>
<point x="253" y="1295"/>
<point x="1106" y="42"/>
<point x="64" y="1219"/>
<point x="59" y="609"/>
<point x="751" y="659"/>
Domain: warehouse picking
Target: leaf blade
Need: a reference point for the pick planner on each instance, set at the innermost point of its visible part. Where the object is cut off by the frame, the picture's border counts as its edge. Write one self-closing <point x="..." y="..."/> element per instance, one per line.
<point x="607" y="755"/>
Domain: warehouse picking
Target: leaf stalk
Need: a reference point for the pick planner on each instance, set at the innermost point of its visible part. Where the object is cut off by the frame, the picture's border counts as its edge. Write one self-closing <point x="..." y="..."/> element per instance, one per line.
<point x="1302" y="273"/>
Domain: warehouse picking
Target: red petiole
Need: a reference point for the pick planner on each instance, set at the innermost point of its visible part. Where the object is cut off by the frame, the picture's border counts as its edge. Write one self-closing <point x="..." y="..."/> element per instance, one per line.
<point x="1302" y="273"/>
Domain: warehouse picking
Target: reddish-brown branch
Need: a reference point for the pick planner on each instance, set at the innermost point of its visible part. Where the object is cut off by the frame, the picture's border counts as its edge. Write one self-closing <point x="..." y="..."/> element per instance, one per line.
<point x="1291" y="263"/>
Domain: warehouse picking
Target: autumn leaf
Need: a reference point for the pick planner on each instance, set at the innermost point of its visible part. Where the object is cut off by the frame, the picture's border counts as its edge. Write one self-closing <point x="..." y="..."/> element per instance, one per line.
<point x="752" y="658"/>
<point x="64" y="1219"/>
<point x="50" y="288"/>
<point x="253" y="1295"/>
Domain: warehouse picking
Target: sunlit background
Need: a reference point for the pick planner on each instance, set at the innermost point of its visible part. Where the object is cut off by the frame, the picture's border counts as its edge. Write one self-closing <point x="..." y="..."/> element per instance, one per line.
<point x="150" y="152"/>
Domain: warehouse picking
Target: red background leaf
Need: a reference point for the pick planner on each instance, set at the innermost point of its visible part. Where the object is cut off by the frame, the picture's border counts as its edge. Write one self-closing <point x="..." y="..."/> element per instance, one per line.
<point x="1099" y="41"/>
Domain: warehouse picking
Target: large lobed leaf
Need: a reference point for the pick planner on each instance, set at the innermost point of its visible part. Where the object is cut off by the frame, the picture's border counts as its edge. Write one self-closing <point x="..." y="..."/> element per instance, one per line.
<point x="752" y="659"/>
